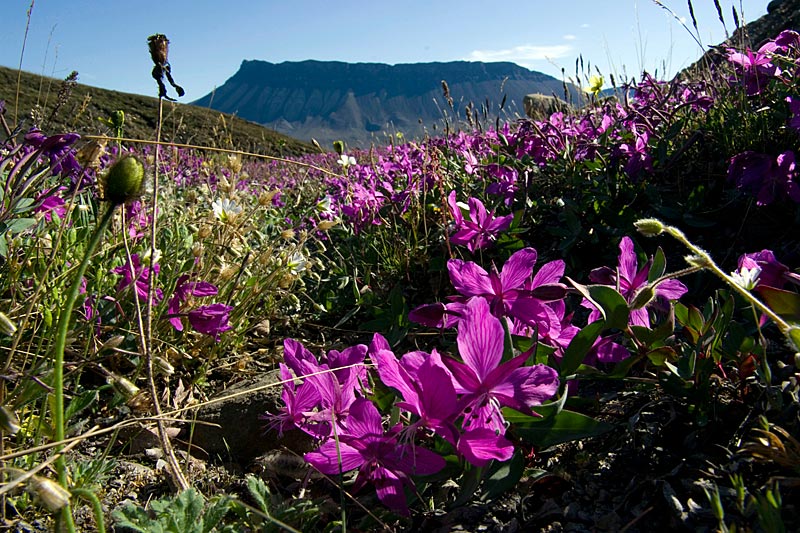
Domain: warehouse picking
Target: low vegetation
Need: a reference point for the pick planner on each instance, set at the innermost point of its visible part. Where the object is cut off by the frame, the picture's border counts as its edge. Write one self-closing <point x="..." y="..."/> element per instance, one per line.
<point x="590" y="320"/>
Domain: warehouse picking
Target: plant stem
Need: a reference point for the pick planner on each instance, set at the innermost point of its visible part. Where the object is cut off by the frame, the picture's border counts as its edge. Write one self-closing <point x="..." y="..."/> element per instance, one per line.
<point x="97" y="508"/>
<point x="58" y="353"/>
<point x="705" y="261"/>
<point x="147" y="338"/>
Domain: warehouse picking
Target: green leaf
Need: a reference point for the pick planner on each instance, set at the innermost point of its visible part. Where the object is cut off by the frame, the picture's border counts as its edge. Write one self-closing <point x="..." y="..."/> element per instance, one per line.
<point x="611" y="303"/>
<point x="564" y="427"/>
<point x="658" y="267"/>
<point x="259" y="491"/>
<point x="80" y="402"/>
<point x="661" y="355"/>
<point x="579" y="346"/>
<point x="215" y="512"/>
<point x="17" y="225"/>
<point x="23" y="205"/>
<point x="502" y="477"/>
<point x="794" y="336"/>
<point x="786" y="304"/>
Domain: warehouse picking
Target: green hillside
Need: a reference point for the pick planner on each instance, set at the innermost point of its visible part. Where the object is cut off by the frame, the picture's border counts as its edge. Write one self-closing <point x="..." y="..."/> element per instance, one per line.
<point x="85" y="106"/>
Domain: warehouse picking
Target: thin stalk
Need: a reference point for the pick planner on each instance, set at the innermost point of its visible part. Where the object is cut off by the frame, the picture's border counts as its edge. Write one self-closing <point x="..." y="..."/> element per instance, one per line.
<point x="58" y="353"/>
<point x="21" y="55"/>
<point x="705" y="261"/>
<point x="166" y="445"/>
<point x="97" y="508"/>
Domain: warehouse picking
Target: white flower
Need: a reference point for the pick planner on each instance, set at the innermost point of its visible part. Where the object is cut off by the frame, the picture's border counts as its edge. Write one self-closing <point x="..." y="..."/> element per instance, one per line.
<point x="325" y="205"/>
<point x="747" y="278"/>
<point x="297" y="263"/>
<point x="225" y="210"/>
<point x="346" y="160"/>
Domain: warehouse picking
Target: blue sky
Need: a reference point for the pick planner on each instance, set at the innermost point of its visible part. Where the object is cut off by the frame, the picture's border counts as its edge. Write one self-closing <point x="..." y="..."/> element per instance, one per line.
<point x="106" y="41"/>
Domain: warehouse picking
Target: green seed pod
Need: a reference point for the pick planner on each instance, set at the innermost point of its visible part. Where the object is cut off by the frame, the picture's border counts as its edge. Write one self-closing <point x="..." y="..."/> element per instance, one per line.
<point x="338" y="147"/>
<point x="124" y="180"/>
<point x="51" y="494"/>
<point x="643" y="297"/>
<point x="9" y="422"/>
<point x="7" y="326"/>
<point x="649" y="227"/>
<point x="118" y="119"/>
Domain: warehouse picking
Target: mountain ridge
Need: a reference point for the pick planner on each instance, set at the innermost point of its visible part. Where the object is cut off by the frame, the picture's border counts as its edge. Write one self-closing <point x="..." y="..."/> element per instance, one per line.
<point x="363" y="103"/>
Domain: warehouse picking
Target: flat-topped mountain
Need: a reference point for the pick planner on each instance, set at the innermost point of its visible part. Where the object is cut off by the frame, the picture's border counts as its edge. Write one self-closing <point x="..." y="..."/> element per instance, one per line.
<point x="362" y="103"/>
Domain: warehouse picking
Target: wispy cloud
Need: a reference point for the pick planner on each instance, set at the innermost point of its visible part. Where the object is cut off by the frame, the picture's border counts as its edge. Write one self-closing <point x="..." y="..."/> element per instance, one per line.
<point x="569" y="37"/>
<point x="525" y="55"/>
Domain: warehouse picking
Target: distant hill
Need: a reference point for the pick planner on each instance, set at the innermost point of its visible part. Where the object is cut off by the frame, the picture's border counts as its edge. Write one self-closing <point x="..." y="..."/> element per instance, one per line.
<point x="182" y="123"/>
<point x="362" y="103"/>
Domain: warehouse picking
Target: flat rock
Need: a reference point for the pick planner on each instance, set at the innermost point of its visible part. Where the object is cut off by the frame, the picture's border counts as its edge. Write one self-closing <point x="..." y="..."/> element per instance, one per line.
<point x="233" y="430"/>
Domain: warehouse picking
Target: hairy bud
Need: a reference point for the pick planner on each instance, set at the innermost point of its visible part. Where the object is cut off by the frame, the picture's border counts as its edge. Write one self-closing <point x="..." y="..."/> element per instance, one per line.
<point x="124" y="180"/>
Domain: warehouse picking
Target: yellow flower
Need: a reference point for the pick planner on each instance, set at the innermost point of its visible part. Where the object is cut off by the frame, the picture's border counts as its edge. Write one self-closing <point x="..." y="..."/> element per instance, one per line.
<point x="595" y="84"/>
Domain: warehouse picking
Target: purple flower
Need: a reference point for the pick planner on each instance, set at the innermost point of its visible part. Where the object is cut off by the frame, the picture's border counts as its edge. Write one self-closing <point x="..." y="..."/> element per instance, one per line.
<point x="424" y="383"/>
<point x="211" y="319"/>
<point x="52" y="203"/>
<point x="437" y="315"/>
<point x="337" y="380"/>
<point x="506" y="184"/>
<point x="299" y="401"/>
<point x="58" y="148"/>
<point x="185" y="289"/>
<point x="506" y="292"/>
<point x="787" y="39"/>
<point x="482" y="227"/>
<point x="487" y="385"/>
<point x="135" y="271"/>
<point x="794" y="109"/>
<point x="378" y="456"/>
<point x="639" y="159"/>
<point x="772" y="273"/>
<point x="755" y="68"/>
<point x="765" y="177"/>
<point x="628" y="279"/>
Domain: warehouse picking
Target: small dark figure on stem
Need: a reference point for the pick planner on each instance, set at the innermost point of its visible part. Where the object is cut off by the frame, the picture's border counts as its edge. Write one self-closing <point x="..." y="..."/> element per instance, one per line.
<point x="159" y="52"/>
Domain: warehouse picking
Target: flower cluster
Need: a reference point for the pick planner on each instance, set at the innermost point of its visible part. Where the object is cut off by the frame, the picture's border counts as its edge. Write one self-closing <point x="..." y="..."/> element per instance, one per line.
<point x="458" y="400"/>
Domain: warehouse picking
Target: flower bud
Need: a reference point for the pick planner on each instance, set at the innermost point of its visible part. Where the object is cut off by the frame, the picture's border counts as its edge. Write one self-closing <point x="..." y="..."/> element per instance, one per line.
<point x="227" y="272"/>
<point x="112" y="343"/>
<point x="7" y="325"/>
<point x="325" y="225"/>
<point x="163" y="365"/>
<point x="52" y="495"/>
<point x="699" y="261"/>
<point x="9" y="422"/>
<point x="124" y="386"/>
<point x="643" y="297"/>
<point x="649" y="227"/>
<point x="124" y="180"/>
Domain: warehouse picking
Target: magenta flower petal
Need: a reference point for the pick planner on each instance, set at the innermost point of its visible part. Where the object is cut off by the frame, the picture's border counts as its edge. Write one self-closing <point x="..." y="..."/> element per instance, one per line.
<point x="468" y="278"/>
<point x="389" y="489"/>
<point x="211" y="319"/>
<point x="326" y="458"/>
<point x="480" y="338"/>
<point x="518" y="268"/>
<point x="481" y="445"/>
<point x="549" y="273"/>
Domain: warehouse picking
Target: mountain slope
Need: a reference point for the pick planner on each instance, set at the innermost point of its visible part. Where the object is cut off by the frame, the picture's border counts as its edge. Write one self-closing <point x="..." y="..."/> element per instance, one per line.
<point x="365" y="102"/>
<point x="182" y="123"/>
